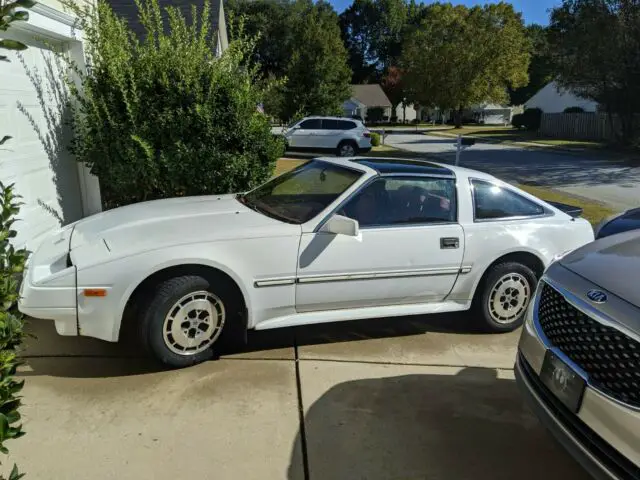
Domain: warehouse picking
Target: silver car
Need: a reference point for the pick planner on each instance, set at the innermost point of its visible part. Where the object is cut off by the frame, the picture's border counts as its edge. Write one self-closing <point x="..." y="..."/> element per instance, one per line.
<point x="578" y="359"/>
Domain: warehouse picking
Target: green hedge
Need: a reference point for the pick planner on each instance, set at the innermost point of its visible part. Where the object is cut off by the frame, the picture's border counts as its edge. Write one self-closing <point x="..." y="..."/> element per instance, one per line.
<point x="375" y="139"/>
<point x="165" y="117"/>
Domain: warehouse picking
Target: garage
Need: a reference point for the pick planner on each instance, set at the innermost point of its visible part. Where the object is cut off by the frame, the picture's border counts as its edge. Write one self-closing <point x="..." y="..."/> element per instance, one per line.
<point x="33" y="111"/>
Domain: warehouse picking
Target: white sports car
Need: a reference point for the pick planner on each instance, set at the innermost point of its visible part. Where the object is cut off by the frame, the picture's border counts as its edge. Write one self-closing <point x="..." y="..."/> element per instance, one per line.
<point x="332" y="240"/>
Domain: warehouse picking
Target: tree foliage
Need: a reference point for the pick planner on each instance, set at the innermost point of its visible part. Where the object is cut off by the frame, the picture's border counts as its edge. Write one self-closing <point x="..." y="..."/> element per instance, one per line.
<point x="541" y="70"/>
<point x="164" y="117"/>
<point x="318" y="77"/>
<point x="372" y="31"/>
<point x="461" y="56"/>
<point x="298" y="44"/>
<point x="596" y="51"/>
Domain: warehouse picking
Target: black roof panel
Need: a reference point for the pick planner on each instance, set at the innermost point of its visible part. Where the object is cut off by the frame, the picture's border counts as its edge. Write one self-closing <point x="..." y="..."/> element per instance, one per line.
<point x="402" y="166"/>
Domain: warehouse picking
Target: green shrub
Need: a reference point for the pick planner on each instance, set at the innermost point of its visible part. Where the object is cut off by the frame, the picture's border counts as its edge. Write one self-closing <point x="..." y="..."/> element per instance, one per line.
<point x="164" y="117"/>
<point x="11" y="322"/>
<point x="531" y="118"/>
<point x="375" y="114"/>
<point x="518" y="120"/>
<point x="375" y="139"/>
<point x="574" y="110"/>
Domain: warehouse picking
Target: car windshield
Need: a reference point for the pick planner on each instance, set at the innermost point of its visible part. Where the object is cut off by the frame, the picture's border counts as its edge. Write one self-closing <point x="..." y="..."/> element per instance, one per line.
<point x="301" y="194"/>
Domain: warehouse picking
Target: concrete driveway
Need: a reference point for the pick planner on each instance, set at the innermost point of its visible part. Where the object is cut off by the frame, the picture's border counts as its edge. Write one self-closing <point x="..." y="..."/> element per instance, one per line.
<point x="402" y="398"/>
<point x="616" y="183"/>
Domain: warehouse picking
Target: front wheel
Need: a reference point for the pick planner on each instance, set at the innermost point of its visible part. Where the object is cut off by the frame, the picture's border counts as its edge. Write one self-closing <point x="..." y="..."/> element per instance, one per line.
<point x="503" y="296"/>
<point x="184" y="320"/>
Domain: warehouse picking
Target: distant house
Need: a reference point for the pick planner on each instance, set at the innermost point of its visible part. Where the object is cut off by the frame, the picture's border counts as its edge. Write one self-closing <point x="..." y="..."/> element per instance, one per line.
<point x="491" y="114"/>
<point x="554" y="99"/>
<point x="128" y="10"/>
<point x="365" y="97"/>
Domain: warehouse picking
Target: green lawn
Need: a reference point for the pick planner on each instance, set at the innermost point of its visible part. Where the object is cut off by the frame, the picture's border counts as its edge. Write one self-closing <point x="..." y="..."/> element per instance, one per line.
<point x="510" y="134"/>
<point x="592" y="211"/>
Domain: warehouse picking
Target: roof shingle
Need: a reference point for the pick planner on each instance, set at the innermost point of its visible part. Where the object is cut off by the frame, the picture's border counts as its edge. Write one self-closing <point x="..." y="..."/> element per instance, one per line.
<point x="370" y="95"/>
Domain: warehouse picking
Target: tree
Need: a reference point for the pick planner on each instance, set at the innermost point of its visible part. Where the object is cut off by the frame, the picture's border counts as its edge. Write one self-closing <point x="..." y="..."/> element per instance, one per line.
<point x="318" y="77"/>
<point x="461" y="56"/>
<point x="269" y="21"/>
<point x="595" y="46"/>
<point x="372" y="31"/>
<point x="541" y="70"/>
<point x="393" y="86"/>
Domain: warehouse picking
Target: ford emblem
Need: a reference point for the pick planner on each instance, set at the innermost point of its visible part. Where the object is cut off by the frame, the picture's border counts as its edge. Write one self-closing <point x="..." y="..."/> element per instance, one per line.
<point x="596" y="296"/>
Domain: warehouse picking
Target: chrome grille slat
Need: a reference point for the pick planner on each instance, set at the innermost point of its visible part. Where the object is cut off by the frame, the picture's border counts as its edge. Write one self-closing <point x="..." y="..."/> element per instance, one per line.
<point x="610" y="357"/>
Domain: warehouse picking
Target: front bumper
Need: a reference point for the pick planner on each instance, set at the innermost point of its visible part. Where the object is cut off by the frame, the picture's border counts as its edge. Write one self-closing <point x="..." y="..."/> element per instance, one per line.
<point x="604" y="435"/>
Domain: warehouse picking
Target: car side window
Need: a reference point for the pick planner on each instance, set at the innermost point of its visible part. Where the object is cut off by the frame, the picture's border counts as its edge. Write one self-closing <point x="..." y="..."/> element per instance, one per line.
<point x="493" y="202"/>
<point x="403" y="201"/>
<point x="346" y="125"/>
<point x="329" y="124"/>
<point x="311" y="124"/>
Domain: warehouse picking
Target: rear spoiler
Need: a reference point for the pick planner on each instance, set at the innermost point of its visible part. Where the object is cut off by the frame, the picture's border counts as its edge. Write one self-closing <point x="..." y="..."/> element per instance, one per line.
<point x="571" y="210"/>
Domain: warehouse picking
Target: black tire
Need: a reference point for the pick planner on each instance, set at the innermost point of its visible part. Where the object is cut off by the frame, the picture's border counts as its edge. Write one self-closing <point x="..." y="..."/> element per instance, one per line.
<point x="162" y="301"/>
<point x="524" y="280"/>
<point x="339" y="150"/>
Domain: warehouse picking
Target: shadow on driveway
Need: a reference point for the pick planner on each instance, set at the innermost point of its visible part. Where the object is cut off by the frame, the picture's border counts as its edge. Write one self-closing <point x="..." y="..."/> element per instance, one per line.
<point x="469" y="426"/>
<point x="51" y="354"/>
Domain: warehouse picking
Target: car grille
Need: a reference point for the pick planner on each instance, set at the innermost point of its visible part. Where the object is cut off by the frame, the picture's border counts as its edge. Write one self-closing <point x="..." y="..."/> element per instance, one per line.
<point x="608" y="356"/>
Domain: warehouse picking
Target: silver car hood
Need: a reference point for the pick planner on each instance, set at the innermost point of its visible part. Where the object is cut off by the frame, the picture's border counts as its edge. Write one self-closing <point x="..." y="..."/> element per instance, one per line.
<point x="612" y="263"/>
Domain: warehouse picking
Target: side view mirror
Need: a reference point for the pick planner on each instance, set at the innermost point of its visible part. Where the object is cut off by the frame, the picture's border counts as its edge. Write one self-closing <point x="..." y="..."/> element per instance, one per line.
<point x="295" y="127"/>
<point x="340" y="225"/>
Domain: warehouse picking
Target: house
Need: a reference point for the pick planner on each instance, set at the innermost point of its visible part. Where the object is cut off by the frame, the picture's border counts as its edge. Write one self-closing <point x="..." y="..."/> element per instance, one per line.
<point x="554" y="99"/>
<point x="55" y="189"/>
<point x="128" y="10"/>
<point x="490" y="114"/>
<point x="407" y="113"/>
<point x="365" y="97"/>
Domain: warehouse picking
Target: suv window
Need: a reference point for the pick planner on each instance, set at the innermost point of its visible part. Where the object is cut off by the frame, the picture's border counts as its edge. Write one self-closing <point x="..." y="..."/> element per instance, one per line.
<point x="404" y="200"/>
<point x="330" y="124"/>
<point x="346" y="125"/>
<point x="311" y="124"/>
<point x="491" y="202"/>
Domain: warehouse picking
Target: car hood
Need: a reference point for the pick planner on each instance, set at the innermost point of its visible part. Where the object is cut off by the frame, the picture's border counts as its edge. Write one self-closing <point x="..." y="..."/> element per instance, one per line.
<point x="175" y="221"/>
<point x="613" y="263"/>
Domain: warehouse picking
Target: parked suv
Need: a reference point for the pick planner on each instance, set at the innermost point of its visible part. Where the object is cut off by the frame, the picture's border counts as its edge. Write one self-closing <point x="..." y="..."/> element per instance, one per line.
<point x="345" y="136"/>
<point x="579" y="355"/>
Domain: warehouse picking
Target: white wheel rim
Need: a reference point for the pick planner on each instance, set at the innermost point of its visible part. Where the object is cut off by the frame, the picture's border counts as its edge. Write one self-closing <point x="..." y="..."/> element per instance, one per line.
<point x="509" y="298"/>
<point x="193" y="323"/>
<point x="347" y="150"/>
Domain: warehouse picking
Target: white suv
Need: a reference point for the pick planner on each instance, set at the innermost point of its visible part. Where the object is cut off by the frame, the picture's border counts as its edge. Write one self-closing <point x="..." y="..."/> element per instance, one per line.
<point x="344" y="136"/>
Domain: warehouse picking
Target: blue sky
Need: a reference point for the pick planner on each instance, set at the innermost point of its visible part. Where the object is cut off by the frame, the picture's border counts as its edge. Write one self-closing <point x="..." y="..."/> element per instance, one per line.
<point x="534" y="11"/>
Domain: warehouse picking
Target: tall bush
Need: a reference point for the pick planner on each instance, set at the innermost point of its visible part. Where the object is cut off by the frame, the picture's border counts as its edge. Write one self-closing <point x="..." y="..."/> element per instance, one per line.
<point x="163" y="117"/>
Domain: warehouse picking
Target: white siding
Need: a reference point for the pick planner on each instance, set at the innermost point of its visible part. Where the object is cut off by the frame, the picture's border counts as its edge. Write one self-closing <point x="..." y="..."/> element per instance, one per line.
<point x="33" y="111"/>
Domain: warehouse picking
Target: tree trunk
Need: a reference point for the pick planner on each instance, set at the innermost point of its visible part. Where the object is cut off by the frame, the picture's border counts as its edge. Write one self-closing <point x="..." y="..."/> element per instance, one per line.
<point x="457" y="117"/>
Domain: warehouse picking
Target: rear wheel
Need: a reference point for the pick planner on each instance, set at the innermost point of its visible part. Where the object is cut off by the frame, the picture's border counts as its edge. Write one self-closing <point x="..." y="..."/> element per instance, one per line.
<point x="185" y="319"/>
<point x="347" y="148"/>
<point x="503" y="296"/>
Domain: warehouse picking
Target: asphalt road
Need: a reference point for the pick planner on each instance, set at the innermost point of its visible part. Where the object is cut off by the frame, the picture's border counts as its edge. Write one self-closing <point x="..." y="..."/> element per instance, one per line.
<point x="610" y="181"/>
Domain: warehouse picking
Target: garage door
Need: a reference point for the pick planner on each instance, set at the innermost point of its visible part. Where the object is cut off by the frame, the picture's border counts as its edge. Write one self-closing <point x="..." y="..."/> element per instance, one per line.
<point x="36" y="159"/>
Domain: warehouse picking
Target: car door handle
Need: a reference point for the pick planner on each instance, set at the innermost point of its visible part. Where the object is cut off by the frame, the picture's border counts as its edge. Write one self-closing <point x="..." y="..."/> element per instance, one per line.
<point x="449" y="242"/>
